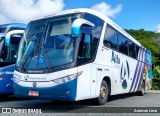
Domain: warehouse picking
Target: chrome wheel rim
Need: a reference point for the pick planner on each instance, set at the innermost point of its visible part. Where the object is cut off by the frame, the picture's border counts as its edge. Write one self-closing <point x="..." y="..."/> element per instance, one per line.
<point x="103" y="93"/>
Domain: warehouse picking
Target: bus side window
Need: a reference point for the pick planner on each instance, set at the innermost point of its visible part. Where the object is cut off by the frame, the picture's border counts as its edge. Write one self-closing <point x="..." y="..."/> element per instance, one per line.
<point x="14" y="43"/>
<point x="110" y="38"/>
<point x="123" y="44"/>
<point x="132" y="49"/>
<point x="137" y="51"/>
<point x="85" y="48"/>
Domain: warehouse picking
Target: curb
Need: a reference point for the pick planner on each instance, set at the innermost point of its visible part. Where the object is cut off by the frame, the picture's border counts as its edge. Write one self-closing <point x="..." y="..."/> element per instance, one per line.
<point x="153" y="91"/>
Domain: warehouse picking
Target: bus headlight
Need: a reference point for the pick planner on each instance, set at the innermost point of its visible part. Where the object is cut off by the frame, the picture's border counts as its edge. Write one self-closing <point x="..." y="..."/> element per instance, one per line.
<point x="67" y="78"/>
<point x="16" y="80"/>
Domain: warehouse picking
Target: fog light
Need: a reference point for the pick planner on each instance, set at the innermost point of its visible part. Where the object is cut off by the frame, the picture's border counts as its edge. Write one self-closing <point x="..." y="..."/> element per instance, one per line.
<point x="67" y="92"/>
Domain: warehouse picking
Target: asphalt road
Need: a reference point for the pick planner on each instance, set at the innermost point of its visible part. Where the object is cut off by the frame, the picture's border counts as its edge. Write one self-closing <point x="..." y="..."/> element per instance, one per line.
<point x="117" y="102"/>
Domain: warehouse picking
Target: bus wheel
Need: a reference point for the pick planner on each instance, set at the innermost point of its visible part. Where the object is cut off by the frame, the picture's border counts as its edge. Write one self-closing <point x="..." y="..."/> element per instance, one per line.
<point x="103" y="95"/>
<point x="143" y="90"/>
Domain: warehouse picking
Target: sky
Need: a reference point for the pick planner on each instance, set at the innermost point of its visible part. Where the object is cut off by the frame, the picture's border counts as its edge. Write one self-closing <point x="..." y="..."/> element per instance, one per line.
<point x="128" y="14"/>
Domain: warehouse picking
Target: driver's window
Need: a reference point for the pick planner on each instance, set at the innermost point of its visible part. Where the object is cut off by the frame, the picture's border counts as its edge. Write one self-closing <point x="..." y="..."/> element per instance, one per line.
<point x="85" y="48"/>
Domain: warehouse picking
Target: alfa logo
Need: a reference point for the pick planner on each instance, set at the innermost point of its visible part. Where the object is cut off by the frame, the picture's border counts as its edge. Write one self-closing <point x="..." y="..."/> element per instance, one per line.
<point x="124" y="74"/>
<point x="115" y="58"/>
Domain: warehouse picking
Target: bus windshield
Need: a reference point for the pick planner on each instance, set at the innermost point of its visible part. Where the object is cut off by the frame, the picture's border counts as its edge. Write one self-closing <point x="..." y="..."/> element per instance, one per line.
<point x="47" y="43"/>
<point x="9" y="53"/>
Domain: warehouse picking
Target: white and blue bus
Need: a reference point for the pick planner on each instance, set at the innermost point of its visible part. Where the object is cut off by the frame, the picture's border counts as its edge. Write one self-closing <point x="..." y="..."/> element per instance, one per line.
<point x="79" y="54"/>
<point x="10" y="35"/>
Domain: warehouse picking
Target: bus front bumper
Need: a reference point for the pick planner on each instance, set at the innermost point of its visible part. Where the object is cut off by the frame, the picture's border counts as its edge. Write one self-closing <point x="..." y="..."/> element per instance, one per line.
<point x="65" y="91"/>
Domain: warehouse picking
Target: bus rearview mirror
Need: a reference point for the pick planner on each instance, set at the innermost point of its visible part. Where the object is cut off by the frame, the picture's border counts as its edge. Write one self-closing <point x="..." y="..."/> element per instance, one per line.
<point x="76" y="25"/>
<point x="9" y="34"/>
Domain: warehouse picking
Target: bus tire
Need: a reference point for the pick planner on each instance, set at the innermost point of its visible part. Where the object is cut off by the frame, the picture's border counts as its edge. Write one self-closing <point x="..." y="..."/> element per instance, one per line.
<point x="103" y="94"/>
<point x="143" y="90"/>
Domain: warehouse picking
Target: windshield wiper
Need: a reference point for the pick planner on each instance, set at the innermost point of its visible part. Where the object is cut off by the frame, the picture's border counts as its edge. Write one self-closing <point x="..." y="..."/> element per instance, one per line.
<point x="26" y="60"/>
<point x="47" y="60"/>
<point x="43" y="49"/>
<point x="45" y="55"/>
<point x="38" y="41"/>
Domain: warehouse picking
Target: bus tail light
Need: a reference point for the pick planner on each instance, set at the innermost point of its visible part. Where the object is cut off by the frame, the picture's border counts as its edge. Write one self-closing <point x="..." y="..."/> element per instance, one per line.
<point x="2" y="79"/>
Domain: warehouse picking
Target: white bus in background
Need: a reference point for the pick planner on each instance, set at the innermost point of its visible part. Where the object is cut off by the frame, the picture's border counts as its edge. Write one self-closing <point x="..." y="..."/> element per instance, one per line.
<point x="80" y="54"/>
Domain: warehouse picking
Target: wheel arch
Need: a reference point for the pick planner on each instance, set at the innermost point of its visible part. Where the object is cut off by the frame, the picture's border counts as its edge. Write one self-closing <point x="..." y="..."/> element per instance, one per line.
<point x="107" y="80"/>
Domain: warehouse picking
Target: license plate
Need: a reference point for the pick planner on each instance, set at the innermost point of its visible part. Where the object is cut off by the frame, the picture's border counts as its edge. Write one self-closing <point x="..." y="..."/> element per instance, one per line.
<point x="33" y="93"/>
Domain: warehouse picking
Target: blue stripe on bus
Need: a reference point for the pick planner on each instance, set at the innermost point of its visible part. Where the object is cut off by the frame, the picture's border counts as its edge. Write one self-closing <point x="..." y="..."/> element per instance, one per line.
<point x="140" y="71"/>
<point x="138" y="78"/>
<point x="141" y="76"/>
<point x="134" y="76"/>
<point x="136" y="70"/>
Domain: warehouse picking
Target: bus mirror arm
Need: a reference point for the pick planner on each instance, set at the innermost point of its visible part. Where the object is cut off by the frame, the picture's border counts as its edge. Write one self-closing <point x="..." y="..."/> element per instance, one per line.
<point x="9" y="34"/>
<point x="76" y="25"/>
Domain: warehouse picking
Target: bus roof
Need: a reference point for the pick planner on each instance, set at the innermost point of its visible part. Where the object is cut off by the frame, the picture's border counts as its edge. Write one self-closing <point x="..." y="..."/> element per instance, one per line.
<point x="98" y="14"/>
<point x="22" y="25"/>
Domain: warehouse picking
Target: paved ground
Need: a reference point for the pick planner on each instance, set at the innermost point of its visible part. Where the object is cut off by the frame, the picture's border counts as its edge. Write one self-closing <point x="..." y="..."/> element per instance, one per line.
<point x="117" y="103"/>
<point x="153" y="91"/>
